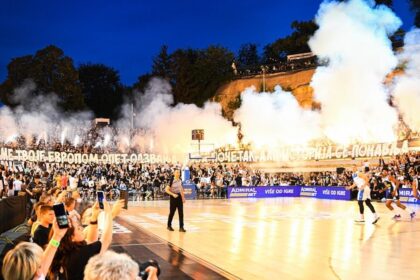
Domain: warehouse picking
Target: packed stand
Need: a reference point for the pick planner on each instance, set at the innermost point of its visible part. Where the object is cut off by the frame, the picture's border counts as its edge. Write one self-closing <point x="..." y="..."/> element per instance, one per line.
<point x="67" y="246"/>
<point x="148" y="181"/>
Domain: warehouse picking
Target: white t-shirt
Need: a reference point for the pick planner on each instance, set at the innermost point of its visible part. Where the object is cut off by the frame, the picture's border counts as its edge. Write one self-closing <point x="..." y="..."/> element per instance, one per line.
<point x="73" y="183"/>
<point x="17" y="185"/>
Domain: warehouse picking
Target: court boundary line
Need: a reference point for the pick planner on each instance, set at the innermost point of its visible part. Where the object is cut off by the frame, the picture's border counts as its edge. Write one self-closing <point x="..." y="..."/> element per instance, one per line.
<point x="137" y="244"/>
<point x="201" y="261"/>
<point x="330" y="265"/>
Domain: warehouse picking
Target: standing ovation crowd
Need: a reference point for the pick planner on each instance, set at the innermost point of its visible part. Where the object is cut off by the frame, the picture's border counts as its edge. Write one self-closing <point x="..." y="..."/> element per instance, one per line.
<point x="78" y="252"/>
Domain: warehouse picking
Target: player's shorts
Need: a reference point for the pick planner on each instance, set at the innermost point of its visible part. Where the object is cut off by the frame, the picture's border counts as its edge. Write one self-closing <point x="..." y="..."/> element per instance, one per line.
<point x="364" y="194"/>
<point x="389" y="196"/>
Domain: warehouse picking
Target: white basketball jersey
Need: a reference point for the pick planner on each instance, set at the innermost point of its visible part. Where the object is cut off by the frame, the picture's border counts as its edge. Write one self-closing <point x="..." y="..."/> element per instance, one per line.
<point x="360" y="183"/>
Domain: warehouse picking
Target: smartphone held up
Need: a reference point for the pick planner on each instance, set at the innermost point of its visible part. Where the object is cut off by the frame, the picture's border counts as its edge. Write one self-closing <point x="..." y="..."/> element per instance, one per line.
<point x="61" y="215"/>
<point x="100" y="195"/>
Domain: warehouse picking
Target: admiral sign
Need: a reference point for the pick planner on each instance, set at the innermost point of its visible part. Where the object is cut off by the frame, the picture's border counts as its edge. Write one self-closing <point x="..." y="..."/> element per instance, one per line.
<point x="339" y="193"/>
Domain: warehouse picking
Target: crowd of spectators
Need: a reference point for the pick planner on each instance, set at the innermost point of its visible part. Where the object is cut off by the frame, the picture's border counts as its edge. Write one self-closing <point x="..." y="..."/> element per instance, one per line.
<point x="77" y="251"/>
<point x="88" y="138"/>
<point x="405" y="168"/>
<point x="148" y="181"/>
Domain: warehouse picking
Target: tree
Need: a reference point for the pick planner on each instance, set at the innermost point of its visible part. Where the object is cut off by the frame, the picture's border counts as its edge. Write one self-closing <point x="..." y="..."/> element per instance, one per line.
<point x="142" y="82"/>
<point x="51" y="71"/>
<point x="415" y="7"/>
<point x="102" y="89"/>
<point x="197" y="74"/>
<point x="161" y="63"/>
<point x="214" y="69"/>
<point x="384" y="2"/>
<point x="184" y="80"/>
<point x="248" y="55"/>
<point x="17" y="74"/>
<point x="194" y="74"/>
<point x="297" y="42"/>
<point x="378" y="2"/>
<point x="397" y="39"/>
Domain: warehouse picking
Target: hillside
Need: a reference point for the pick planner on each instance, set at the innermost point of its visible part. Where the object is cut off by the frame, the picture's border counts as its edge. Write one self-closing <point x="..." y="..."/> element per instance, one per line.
<point x="297" y="82"/>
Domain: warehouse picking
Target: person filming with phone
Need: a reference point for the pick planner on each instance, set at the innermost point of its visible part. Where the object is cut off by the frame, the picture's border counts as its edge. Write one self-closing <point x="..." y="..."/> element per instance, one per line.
<point x="75" y="250"/>
<point x="176" y="200"/>
<point x="42" y="232"/>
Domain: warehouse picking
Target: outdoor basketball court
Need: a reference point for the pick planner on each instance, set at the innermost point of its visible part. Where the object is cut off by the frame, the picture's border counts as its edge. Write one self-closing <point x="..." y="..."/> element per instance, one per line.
<point x="287" y="238"/>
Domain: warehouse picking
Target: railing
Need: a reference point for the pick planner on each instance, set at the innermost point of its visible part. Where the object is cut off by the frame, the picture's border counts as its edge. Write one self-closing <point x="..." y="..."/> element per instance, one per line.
<point x="280" y="67"/>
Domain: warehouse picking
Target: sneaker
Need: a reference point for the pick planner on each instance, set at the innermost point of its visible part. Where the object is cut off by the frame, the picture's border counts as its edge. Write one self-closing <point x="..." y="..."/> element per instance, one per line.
<point x="359" y="221"/>
<point x="376" y="220"/>
<point x="170" y="228"/>
<point x="182" y="230"/>
<point x="396" y="217"/>
<point x="412" y="214"/>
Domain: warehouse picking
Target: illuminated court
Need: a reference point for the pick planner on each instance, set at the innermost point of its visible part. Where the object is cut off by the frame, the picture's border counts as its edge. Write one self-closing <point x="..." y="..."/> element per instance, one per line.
<point x="288" y="238"/>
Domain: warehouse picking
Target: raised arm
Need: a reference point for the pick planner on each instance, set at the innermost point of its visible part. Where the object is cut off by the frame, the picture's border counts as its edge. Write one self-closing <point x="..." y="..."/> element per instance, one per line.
<point x="92" y="229"/>
<point x="51" y="249"/>
<point x="106" y="237"/>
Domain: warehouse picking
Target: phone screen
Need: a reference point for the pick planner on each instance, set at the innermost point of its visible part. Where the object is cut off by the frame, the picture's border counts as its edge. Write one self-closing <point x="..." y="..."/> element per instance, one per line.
<point x="100" y="199"/>
<point x="60" y="215"/>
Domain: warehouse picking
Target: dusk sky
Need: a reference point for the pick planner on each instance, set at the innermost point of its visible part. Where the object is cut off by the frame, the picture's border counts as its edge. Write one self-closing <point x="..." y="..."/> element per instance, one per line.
<point x="127" y="34"/>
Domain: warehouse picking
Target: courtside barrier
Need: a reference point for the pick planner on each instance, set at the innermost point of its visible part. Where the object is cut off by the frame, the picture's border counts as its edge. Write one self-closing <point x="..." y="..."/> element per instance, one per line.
<point x="189" y="191"/>
<point x="406" y="196"/>
<point x="12" y="212"/>
<point x="320" y="192"/>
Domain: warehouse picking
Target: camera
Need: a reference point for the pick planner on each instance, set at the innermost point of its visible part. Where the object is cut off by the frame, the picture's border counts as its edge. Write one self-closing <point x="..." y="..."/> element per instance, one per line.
<point x="143" y="274"/>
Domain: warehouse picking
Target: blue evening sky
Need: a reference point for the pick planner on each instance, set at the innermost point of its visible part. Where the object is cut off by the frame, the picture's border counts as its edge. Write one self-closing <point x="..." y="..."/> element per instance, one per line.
<point x="126" y="34"/>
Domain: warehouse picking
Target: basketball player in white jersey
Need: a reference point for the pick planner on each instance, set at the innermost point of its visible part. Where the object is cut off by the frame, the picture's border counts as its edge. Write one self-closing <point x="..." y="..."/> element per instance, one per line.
<point x="393" y="186"/>
<point x="361" y="181"/>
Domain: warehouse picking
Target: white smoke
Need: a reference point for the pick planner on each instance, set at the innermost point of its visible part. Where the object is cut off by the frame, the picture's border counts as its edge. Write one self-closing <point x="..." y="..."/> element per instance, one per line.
<point x="39" y="117"/>
<point x="270" y="120"/>
<point x="8" y="125"/>
<point x="167" y="129"/>
<point x="407" y="89"/>
<point x="353" y="38"/>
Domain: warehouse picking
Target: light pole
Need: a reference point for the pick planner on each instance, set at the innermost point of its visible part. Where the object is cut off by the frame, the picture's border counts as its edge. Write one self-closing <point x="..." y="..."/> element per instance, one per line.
<point x="263" y="68"/>
<point x="132" y="117"/>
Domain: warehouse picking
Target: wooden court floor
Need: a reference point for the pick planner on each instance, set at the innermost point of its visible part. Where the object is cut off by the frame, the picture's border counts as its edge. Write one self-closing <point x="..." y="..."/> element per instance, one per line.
<point x="289" y="238"/>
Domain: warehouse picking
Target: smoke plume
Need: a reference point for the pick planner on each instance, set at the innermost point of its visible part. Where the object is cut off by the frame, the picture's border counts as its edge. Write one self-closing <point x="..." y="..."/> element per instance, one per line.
<point x="407" y="88"/>
<point x="39" y="118"/>
<point x="353" y="38"/>
<point x="167" y="129"/>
